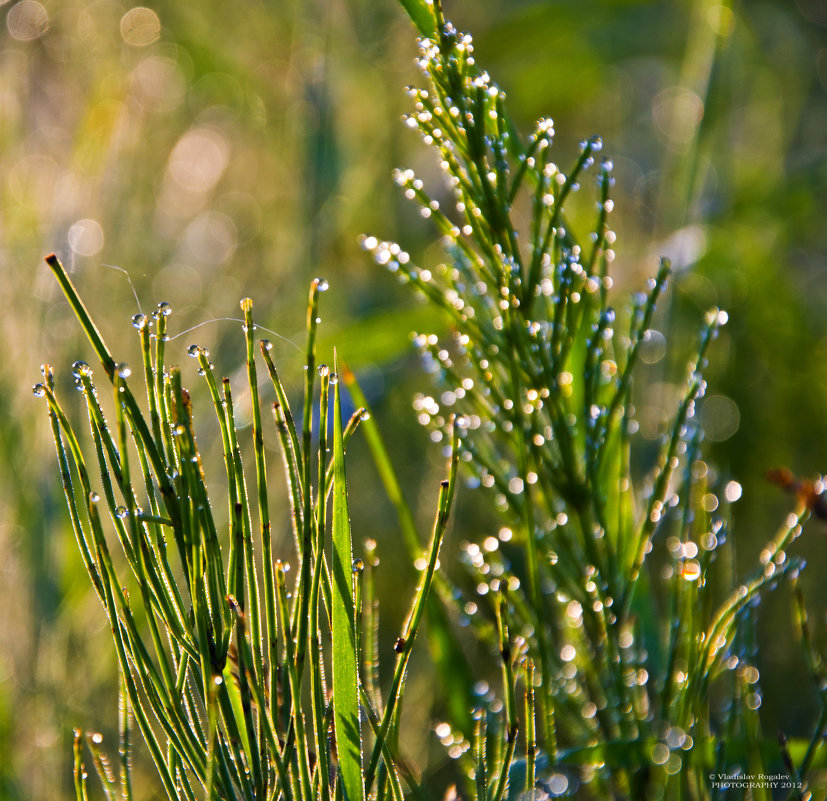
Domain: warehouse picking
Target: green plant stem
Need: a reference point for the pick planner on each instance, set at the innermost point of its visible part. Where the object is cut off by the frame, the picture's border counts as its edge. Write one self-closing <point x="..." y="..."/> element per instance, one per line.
<point x="413" y="621"/>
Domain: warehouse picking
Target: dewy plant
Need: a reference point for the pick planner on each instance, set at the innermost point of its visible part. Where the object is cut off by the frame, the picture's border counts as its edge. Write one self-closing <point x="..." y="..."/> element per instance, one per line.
<point x="247" y="681"/>
<point x="538" y="376"/>
<point x="217" y="656"/>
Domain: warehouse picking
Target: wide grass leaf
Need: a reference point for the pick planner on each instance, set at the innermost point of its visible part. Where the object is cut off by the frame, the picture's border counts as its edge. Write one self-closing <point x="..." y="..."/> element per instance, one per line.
<point x="421" y="15"/>
<point x="345" y="675"/>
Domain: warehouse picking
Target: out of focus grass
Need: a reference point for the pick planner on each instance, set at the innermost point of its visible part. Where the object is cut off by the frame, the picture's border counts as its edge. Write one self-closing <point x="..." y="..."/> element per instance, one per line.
<point x="216" y="150"/>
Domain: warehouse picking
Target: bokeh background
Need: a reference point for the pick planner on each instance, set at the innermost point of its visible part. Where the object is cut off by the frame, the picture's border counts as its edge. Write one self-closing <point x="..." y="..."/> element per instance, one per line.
<point x="217" y="150"/>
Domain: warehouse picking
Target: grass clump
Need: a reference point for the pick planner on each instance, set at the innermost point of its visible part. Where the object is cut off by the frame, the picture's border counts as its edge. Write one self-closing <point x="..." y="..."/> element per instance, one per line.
<point x="218" y="649"/>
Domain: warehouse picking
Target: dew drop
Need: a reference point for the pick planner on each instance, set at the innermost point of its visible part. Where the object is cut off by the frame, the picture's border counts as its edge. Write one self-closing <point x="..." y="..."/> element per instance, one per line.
<point x="94" y="497"/>
<point x="80" y="369"/>
<point x="322" y="284"/>
<point x="365" y="415"/>
<point x="164" y="309"/>
<point x="334" y="378"/>
<point x="139" y="321"/>
<point x="323" y="370"/>
<point x="121" y="512"/>
<point x="123" y="370"/>
<point x="267" y="344"/>
<point x="194" y="351"/>
<point x="358" y="565"/>
<point x="38" y="390"/>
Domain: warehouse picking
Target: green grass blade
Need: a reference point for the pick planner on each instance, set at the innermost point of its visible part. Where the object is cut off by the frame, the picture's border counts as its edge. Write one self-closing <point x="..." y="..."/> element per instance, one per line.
<point x="405" y="643"/>
<point x="125" y="742"/>
<point x="345" y="668"/>
<point x="530" y="733"/>
<point x="270" y="647"/>
<point x="133" y="410"/>
<point x="421" y="15"/>
<point x="79" y="768"/>
<point x="317" y="684"/>
<point x="302" y="782"/>
<point x="480" y="767"/>
<point x="59" y="423"/>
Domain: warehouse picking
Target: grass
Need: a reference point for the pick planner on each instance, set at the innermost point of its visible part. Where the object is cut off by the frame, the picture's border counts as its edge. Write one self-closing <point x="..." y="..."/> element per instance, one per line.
<point x="217" y="650"/>
<point x="606" y="600"/>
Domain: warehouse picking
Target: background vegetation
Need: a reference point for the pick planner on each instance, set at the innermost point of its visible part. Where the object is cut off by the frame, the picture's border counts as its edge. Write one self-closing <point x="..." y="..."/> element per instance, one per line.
<point x="215" y="151"/>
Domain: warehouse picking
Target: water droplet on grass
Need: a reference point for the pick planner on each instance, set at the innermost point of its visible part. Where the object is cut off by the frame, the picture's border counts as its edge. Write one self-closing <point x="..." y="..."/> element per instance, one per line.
<point x="80" y="369"/>
<point x="139" y="321"/>
<point x="322" y="284"/>
<point x="194" y="351"/>
<point x="358" y="565"/>
<point x="164" y="309"/>
<point x="38" y="390"/>
<point x="123" y="370"/>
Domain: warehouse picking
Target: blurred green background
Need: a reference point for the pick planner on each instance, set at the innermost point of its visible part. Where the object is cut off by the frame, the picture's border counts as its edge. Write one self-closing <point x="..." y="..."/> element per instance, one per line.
<point x="217" y="150"/>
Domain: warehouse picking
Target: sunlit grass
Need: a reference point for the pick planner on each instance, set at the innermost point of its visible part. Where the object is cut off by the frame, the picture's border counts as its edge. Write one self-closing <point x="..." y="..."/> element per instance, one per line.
<point x="214" y="640"/>
<point x="623" y="642"/>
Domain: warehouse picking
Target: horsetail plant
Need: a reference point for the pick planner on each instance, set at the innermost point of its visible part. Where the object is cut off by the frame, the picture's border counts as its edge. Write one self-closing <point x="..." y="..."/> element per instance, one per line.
<point x="601" y="594"/>
<point x="215" y="645"/>
<point x="538" y="375"/>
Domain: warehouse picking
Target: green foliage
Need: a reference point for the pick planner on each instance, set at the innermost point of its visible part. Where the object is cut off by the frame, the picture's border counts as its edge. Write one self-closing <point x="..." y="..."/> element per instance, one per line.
<point x="345" y="652"/>
<point x="213" y="649"/>
<point x="538" y="377"/>
<point x="607" y="599"/>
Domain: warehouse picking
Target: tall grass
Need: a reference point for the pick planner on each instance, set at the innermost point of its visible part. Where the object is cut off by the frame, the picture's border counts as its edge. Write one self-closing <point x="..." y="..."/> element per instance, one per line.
<point x="605" y="591"/>
<point x="219" y="651"/>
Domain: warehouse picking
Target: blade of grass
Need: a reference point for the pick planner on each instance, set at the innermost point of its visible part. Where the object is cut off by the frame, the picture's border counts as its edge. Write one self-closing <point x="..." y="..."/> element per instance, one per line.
<point x="125" y="742"/>
<point x="510" y="712"/>
<point x="421" y="14"/>
<point x="133" y="410"/>
<point x="415" y="618"/>
<point x="263" y="505"/>
<point x="317" y="684"/>
<point x="345" y="668"/>
<point x="79" y="768"/>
